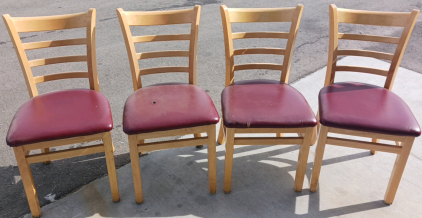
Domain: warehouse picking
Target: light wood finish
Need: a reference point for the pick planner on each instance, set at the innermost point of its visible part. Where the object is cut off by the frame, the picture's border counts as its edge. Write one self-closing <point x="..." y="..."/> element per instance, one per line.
<point x="221" y="135"/>
<point x="27" y="181"/>
<point x="16" y="25"/>
<point x="247" y="15"/>
<point x="242" y="15"/>
<point x="150" y="18"/>
<point x="403" y="143"/>
<point x="397" y="19"/>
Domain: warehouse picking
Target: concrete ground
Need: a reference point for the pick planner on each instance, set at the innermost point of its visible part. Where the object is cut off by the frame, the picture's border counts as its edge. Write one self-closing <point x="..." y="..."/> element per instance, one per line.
<point x="352" y="182"/>
<point x="63" y="177"/>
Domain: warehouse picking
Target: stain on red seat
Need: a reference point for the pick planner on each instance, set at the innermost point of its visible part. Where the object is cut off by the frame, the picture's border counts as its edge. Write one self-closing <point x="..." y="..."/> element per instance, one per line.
<point x="59" y="115"/>
<point x="167" y="107"/>
<point x="265" y="104"/>
<point x="364" y="107"/>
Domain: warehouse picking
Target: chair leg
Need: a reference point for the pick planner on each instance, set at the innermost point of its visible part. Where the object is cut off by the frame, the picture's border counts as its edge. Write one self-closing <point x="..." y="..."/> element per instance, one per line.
<point x="136" y="168"/>
<point x="140" y="142"/>
<point x="303" y="159"/>
<point x="221" y="137"/>
<point x="375" y="141"/>
<point x="398" y="169"/>
<point x="280" y="135"/>
<point x="319" y="154"/>
<point x="46" y="150"/>
<point x="111" y="166"/>
<point x="212" y="159"/>
<point x="28" y="182"/>
<point x="198" y="135"/>
<point x="228" y="165"/>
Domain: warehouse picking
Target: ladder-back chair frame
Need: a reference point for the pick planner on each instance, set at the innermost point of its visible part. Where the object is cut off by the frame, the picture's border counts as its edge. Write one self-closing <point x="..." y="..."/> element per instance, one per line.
<point x="16" y="25"/>
<point x="250" y="15"/>
<point x="136" y="142"/>
<point x="404" y="144"/>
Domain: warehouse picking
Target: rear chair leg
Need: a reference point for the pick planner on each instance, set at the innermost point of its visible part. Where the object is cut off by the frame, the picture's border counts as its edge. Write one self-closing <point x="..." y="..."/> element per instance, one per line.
<point x="228" y="165"/>
<point x="111" y="166"/>
<point x="136" y="168"/>
<point x="303" y="159"/>
<point x="212" y="158"/>
<point x="375" y="141"/>
<point x="28" y="181"/>
<point x="319" y="154"/>
<point x="198" y="135"/>
<point x="398" y="169"/>
<point x="46" y="150"/>
<point x="221" y="138"/>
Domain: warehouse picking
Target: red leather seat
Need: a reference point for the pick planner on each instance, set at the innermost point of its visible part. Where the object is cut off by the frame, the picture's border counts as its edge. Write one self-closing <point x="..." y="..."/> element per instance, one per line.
<point x="364" y="107"/>
<point x="58" y="115"/>
<point x="265" y="104"/>
<point x="166" y="107"/>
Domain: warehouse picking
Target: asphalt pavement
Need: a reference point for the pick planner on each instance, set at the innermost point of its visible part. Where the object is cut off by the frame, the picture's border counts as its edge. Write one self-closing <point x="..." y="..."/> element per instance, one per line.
<point x="65" y="176"/>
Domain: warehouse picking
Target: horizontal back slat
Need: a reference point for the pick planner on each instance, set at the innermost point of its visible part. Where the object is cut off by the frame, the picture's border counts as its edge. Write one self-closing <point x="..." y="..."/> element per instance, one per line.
<point x="398" y="19"/>
<point x="156" y="38"/>
<point x="244" y="51"/>
<point x="370" y="38"/>
<point x="162" y="54"/>
<point x="362" y="70"/>
<point x="57" y="76"/>
<point x="150" y="18"/>
<point x="249" y="15"/>
<point x="48" y="23"/>
<point x="260" y="35"/>
<point x="258" y="66"/>
<point x="54" y="43"/>
<point x="172" y="69"/>
<point x="365" y="53"/>
<point x="57" y="60"/>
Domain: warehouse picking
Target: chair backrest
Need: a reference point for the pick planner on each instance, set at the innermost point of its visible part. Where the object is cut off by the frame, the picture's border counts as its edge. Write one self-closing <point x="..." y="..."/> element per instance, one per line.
<point x="16" y="25"/>
<point x="152" y="18"/>
<point x="251" y="15"/>
<point x="406" y="20"/>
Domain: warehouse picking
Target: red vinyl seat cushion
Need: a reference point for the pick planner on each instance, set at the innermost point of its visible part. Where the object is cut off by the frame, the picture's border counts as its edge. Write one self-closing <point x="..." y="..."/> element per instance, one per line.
<point x="265" y="104"/>
<point x="364" y="107"/>
<point x="59" y="115"/>
<point x="167" y="107"/>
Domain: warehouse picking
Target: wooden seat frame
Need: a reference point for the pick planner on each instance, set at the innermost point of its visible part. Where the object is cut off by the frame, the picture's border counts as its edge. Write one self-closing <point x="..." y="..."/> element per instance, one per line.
<point x="136" y="142"/>
<point x="305" y="135"/>
<point x="16" y="25"/>
<point x="403" y="144"/>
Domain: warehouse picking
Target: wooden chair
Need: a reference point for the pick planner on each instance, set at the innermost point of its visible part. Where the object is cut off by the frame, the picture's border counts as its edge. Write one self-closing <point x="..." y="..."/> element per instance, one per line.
<point x="359" y="109"/>
<point x="263" y="106"/>
<point x="61" y="117"/>
<point x="166" y="109"/>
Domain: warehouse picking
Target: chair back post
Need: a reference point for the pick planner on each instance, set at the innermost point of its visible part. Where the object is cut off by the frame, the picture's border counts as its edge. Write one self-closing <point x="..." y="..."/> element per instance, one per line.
<point x="91" y="51"/>
<point x="291" y="43"/>
<point x="333" y="46"/>
<point x="23" y="59"/>
<point x="193" y="45"/>
<point x="16" y="25"/>
<point x="401" y="47"/>
<point x="130" y="48"/>
<point x="228" y="44"/>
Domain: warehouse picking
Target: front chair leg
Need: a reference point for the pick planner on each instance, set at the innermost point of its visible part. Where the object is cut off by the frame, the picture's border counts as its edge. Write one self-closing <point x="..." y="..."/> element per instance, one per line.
<point x="228" y="165"/>
<point x="303" y="159"/>
<point x="212" y="159"/>
<point x="111" y="166"/>
<point x="375" y="141"/>
<point x="398" y="169"/>
<point x="136" y="168"/>
<point x="28" y="181"/>
<point x="319" y="154"/>
<point x="221" y="138"/>
<point x="198" y="135"/>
